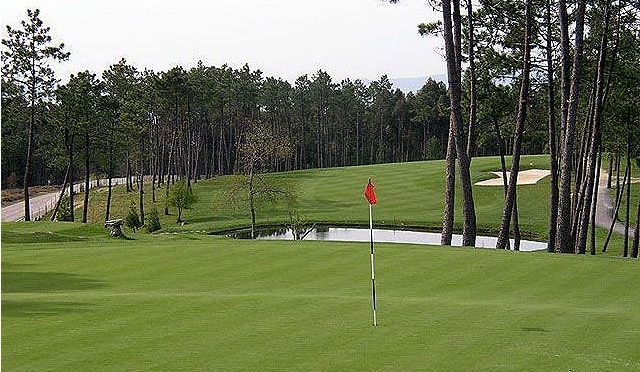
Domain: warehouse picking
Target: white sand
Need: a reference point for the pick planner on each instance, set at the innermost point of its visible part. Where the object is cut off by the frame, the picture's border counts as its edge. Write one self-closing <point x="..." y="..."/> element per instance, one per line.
<point x="528" y="177"/>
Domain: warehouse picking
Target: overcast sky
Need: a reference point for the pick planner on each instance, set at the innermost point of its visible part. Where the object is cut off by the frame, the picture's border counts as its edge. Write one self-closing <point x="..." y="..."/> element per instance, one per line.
<point x="287" y="38"/>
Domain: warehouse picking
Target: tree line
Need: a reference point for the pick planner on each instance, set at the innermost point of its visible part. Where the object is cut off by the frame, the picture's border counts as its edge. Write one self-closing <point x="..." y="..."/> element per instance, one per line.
<point x="190" y="123"/>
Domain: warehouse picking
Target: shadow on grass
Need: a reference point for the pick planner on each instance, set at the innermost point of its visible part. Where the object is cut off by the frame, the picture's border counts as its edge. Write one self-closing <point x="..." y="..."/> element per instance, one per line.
<point x="209" y="219"/>
<point x="40" y="308"/>
<point x="14" y="266"/>
<point x="12" y="237"/>
<point x="42" y="282"/>
<point x="534" y="329"/>
<point x="125" y="237"/>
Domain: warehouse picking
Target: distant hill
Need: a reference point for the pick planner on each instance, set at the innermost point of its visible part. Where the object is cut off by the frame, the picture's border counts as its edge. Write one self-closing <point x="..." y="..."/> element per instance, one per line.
<point x="413" y="84"/>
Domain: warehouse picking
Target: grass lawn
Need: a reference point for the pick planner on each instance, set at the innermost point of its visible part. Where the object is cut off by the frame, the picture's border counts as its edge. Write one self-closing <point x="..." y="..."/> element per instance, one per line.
<point x="76" y="300"/>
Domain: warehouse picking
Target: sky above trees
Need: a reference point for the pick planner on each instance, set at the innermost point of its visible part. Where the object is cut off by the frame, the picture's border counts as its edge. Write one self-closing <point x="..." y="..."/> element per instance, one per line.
<point x="356" y="39"/>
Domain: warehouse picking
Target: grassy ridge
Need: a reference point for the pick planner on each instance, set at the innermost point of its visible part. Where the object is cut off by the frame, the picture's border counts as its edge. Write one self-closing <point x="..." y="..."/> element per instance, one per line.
<point x="168" y="302"/>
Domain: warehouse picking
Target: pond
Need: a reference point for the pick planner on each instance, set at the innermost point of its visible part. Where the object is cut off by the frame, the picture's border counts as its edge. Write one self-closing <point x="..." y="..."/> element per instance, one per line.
<point x="383" y="236"/>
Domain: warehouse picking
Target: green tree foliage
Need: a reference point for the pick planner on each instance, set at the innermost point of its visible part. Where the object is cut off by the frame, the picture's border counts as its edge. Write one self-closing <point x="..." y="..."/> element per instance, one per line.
<point x="181" y="197"/>
<point x="64" y="211"/>
<point x="132" y="220"/>
<point x="152" y="222"/>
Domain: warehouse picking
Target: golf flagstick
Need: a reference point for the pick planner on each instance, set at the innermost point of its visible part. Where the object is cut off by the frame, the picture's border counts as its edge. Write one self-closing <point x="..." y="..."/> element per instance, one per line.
<point x="373" y="276"/>
<point x="370" y="195"/>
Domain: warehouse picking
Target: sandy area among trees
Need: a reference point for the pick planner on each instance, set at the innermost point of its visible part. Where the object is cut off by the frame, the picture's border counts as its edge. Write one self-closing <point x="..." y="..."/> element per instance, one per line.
<point x="527" y="177"/>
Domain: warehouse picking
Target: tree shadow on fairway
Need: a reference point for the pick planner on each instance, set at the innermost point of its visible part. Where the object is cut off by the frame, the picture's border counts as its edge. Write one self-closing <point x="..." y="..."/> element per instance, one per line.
<point x="534" y="329"/>
<point x="42" y="282"/>
<point x="40" y="308"/>
<point x="213" y="218"/>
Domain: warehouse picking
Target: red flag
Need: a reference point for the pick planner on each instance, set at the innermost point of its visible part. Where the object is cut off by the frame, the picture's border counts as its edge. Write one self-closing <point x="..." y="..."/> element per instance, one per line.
<point x="369" y="193"/>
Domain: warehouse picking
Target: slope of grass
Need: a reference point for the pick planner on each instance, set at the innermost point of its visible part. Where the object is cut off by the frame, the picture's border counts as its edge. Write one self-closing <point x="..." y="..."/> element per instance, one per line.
<point x="408" y="194"/>
<point x="169" y="302"/>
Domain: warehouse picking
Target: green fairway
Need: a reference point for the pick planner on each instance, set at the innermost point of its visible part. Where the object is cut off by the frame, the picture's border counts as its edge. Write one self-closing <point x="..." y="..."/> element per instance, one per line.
<point x="85" y="302"/>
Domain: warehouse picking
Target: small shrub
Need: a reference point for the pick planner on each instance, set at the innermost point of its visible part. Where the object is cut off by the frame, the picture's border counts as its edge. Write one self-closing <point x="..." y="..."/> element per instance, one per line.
<point x="64" y="211"/>
<point x="153" y="221"/>
<point x="133" y="220"/>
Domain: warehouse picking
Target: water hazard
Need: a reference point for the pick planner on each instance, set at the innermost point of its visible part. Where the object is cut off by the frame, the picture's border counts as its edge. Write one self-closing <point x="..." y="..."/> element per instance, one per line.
<point x="384" y="236"/>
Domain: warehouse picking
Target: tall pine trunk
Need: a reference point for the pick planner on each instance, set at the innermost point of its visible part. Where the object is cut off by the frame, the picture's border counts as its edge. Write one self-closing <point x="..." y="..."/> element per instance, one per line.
<point x="594" y="207"/>
<point x="472" y="91"/>
<point x="128" y="172"/>
<point x="553" y="156"/>
<point x="610" y="171"/>
<point x="71" y="183"/>
<point x="503" y="163"/>
<point x="564" y="241"/>
<point x="251" y="201"/>
<point x="636" y="234"/>
<point x="108" y="208"/>
<point x="594" y="148"/>
<point x="64" y="187"/>
<point x="141" y="188"/>
<point x="615" y="211"/>
<point x="516" y="224"/>
<point x="510" y="201"/>
<point x="625" y="251"/>
<point x="449" y="191"/>
<point x="169" y="165"/>
<point x="85" y="207"/>
<point x="27" y="165"/>
<point x="453" y="57"/>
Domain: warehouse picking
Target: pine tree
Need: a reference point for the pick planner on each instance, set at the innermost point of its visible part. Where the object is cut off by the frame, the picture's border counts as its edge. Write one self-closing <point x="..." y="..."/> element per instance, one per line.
<point x="25" y="63"/>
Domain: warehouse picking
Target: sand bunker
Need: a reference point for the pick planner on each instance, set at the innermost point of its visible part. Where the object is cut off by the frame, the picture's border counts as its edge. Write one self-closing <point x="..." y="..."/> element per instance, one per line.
<point x="528" y="177"/>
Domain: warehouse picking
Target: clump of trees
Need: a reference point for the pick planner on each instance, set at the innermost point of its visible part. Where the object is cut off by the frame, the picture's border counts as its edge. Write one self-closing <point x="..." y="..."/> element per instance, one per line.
<point x="573" y="66"/>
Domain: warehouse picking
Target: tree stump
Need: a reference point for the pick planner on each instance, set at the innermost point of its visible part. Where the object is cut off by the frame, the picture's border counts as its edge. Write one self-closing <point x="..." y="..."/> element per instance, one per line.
<point x="115" y="227"/>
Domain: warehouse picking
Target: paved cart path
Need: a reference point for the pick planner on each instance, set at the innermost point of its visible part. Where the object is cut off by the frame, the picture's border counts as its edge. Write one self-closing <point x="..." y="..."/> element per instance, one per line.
<point x="606" y="206"/>
<point x="42" y="204"/>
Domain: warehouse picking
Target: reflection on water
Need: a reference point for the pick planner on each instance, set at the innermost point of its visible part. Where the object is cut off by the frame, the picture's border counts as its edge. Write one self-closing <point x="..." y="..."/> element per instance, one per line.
<point x="385" y="236"/>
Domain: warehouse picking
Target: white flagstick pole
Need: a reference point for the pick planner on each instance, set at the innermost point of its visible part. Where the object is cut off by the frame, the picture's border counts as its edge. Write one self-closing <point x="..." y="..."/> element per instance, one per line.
<point x="373" y="278"/>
